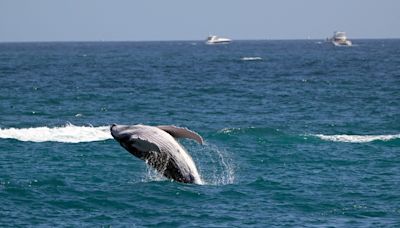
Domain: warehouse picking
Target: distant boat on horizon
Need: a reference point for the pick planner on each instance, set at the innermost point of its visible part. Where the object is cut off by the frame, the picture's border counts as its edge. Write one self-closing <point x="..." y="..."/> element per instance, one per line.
<point x="212" y="39"/>
<point x="340" y="39"/>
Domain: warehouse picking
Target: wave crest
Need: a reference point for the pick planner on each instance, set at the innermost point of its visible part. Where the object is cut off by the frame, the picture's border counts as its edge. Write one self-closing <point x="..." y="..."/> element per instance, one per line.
<point x="65" y="134"/>
<point x="251" y="58"/>
<point x="357" y="138"/>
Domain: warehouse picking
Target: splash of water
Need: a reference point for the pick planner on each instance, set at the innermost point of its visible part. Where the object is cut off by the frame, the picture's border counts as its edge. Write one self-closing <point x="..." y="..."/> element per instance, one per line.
<point x="216" y="167"/>
<point x="152" y="175"/>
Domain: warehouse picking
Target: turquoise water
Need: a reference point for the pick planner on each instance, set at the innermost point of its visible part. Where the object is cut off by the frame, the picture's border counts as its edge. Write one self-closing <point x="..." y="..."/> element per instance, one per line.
<point x="298" y="133"/>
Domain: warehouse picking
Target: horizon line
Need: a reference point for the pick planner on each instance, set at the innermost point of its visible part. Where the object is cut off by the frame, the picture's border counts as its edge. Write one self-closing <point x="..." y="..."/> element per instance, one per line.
<point x="188" y="40"/>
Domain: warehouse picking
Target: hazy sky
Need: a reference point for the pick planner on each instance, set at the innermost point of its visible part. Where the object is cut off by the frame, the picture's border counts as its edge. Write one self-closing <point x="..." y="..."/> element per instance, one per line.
<point x="93" y="20"/>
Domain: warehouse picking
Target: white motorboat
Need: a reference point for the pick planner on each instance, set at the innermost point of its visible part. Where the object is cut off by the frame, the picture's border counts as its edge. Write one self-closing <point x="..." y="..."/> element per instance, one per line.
<point x="217" y="40"/>
<point x="340" y="39"/>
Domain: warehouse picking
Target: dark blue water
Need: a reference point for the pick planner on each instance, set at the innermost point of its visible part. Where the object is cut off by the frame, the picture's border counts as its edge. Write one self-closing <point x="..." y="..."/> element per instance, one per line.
<point x="298" y="133"/>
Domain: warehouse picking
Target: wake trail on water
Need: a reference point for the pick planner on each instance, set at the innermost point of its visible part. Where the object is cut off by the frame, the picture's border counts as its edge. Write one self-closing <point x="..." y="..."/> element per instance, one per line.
<point x="357" y="138"/>
<point x="277" y="134"/>
<point x="68" y="133"/>
<point x="251" y="58"/>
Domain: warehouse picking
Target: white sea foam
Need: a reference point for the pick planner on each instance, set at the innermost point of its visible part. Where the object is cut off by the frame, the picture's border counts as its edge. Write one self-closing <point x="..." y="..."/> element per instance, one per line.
<point x="66" y="134"/>
<point x="357" y="138"/>
<point x="251" y="58"/>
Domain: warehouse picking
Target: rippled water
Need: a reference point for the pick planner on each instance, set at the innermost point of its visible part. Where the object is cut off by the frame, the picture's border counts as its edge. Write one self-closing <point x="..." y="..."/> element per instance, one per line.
<point x="298" y="133"/>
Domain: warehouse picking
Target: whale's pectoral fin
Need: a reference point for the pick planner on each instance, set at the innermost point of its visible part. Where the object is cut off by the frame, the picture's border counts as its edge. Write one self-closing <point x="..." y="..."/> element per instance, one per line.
<point x="179" y="132"/>
<point x="144" y="145"/>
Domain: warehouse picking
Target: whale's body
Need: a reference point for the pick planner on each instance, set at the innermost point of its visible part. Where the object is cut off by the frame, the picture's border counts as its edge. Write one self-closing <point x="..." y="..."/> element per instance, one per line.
<point x="158" y="148"/>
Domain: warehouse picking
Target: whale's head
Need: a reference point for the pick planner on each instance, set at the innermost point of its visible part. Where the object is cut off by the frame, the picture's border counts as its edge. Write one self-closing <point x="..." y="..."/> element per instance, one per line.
<point x="124" y="134"/>
<point x="119" y="132"/>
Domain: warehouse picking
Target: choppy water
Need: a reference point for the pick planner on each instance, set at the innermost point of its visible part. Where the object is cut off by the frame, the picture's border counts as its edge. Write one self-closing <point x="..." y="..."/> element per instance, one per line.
<point x="298" y="133"/>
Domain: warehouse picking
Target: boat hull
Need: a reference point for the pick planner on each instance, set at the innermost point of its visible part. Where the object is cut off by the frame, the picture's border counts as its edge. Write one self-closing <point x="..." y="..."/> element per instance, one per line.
<point x="342" y="43"/>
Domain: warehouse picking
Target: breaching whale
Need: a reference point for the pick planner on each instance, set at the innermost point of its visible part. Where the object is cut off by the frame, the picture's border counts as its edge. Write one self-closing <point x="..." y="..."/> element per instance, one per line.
<point x="158" y="147"/>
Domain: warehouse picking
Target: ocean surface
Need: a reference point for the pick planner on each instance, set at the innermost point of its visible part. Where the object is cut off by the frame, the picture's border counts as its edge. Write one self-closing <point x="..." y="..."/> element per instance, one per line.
<point x="298" y="133"/>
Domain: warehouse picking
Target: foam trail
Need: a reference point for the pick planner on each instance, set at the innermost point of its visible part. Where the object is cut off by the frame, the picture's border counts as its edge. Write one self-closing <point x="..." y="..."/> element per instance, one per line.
<point x="357" y="138"/>
<point x="65" y="134"/>
<point x="251" y="58"/>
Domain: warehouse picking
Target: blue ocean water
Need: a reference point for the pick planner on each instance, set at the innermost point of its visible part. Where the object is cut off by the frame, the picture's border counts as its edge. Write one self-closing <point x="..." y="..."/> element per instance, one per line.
<point x="298" y="133"/>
